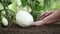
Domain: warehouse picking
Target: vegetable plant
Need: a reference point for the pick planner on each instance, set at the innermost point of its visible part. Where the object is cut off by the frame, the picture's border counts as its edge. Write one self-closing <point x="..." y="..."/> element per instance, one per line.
<point x="9" y="8"/>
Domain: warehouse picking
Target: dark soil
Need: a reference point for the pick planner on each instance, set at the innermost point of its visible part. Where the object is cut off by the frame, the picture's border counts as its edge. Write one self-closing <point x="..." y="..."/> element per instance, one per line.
<point x="47" y="29"/>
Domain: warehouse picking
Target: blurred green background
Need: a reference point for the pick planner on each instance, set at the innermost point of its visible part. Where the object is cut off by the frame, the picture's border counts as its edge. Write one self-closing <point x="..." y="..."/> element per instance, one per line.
<point x="8" y="8"/>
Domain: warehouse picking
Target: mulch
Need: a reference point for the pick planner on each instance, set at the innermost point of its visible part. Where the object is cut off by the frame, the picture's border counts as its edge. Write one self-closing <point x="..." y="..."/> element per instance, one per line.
<point x="47" y="29"/>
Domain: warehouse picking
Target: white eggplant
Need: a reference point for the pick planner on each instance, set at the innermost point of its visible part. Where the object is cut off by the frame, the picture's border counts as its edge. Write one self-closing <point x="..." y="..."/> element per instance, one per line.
<point x="4" y="21"/>
<point x="24" y="19"/>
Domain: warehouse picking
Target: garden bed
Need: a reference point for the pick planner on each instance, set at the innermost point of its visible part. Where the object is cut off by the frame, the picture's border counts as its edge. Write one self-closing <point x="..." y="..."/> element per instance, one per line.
<point x="15" y="29"/>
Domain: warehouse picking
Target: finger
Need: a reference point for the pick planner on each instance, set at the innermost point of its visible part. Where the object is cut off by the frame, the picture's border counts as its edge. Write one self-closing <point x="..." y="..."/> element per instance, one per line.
<point x="43" y="13"/>
<point x="47" y="14"/>
<point x="38" y="23"/>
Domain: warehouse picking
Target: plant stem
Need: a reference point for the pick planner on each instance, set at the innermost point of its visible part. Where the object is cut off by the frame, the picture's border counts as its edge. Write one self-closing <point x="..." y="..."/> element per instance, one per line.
<point x="0" y="17"/>
<point x="46" y="4"/>
<point x="5" y="8"/>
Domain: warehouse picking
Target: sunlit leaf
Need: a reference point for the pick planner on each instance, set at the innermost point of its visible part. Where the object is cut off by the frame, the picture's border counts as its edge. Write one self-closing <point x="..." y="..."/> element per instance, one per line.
<point x="12" y="7"/>
<point x="18" y="2"/>
<point x="1" y="6"/>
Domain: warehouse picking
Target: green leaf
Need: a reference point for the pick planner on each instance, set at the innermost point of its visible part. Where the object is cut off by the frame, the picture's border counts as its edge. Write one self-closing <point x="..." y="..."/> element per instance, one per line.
<point x="18" y="2"/>
<point x="24" y="2"/>
<point x="1" y="6"/>
<point x="3" y="13"/>
<point x="36" y="15"/>
<point x="37" y="7"/>
<point x="13" y="7"/>
<point x="8" y="2"/>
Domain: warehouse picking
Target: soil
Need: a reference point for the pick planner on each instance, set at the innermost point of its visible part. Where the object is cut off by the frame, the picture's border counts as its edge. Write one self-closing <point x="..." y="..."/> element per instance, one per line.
<point x="47" y="29"/>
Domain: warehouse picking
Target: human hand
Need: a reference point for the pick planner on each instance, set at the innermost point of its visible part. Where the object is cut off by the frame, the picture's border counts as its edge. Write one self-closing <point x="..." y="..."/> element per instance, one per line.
<point x="42" y="22"/>
<point x="45" y="14"/>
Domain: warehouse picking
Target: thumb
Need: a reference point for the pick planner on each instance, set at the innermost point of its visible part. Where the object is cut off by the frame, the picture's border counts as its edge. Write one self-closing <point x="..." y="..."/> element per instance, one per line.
<point x="38" y="23"/>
